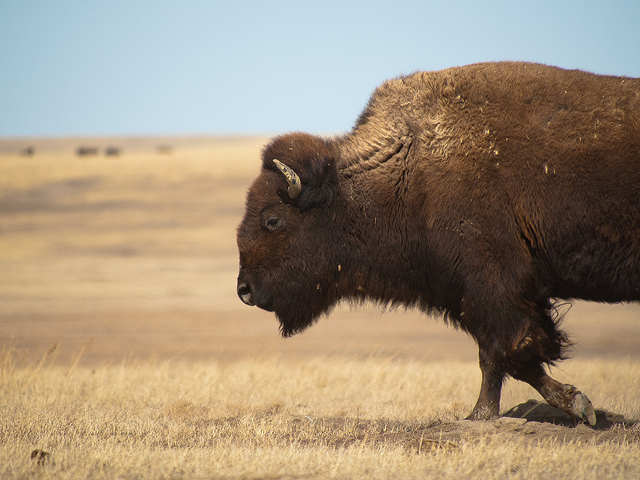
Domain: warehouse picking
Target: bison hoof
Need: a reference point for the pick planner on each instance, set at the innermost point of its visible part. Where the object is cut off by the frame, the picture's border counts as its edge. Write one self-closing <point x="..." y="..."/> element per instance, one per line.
<point x="582" y="409"/>
<point x="483" y="413"/>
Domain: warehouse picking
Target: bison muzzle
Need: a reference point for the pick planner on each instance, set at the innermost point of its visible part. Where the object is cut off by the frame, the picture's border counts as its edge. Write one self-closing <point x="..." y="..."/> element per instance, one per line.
<point x="485" y="193"/>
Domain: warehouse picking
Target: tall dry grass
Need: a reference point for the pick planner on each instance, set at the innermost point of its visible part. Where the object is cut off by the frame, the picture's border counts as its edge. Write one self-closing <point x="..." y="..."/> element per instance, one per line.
<point x="331" y="417"/>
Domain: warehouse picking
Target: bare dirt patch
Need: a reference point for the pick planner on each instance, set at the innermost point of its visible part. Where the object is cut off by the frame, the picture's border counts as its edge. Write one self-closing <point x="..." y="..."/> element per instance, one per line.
<point x="514" y="426"/>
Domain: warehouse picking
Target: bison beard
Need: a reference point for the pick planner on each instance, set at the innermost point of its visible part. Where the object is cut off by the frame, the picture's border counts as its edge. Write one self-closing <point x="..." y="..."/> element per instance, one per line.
<point x="294" y="319"/>
<point x="299" y="304"/>
<point x="484" y="193"/>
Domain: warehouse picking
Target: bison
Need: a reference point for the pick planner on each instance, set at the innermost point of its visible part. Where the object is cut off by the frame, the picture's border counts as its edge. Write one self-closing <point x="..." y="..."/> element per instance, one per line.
<point x="487" y="193"/>
<point x="83" y="151"/>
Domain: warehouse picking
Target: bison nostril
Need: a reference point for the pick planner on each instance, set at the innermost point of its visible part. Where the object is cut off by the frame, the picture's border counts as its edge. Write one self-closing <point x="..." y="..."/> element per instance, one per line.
<point x="244" y="292"/>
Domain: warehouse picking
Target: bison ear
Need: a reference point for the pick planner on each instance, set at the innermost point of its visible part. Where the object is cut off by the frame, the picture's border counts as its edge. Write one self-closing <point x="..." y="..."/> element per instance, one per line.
<point x="307" y="164"/>
<point x="319" y="179"/>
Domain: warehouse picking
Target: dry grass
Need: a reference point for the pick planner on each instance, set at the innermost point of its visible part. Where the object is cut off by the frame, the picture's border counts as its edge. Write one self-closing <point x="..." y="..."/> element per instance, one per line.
<point x="329" y="417"/>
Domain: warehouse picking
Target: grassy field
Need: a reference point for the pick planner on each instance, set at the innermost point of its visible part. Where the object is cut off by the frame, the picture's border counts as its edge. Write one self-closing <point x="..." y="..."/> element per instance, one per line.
<point x="328" y="417"/>
<point x="125" y="352"/>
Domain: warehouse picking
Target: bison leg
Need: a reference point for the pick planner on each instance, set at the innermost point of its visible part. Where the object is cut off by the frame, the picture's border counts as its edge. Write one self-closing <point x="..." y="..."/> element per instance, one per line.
<point x="563" y="396"/>
<point x="488" y="404"/>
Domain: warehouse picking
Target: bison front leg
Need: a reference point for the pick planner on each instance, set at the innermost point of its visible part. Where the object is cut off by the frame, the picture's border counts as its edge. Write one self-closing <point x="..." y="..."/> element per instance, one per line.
<point x="488" y="404"/>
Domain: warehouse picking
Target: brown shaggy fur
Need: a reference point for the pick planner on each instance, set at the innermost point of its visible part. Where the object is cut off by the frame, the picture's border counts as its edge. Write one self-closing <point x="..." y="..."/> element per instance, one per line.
<point x="484" y="192"/>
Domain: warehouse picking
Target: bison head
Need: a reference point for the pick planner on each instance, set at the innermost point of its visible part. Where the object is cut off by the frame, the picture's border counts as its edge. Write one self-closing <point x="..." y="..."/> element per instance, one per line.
<point x="287" y="259"/>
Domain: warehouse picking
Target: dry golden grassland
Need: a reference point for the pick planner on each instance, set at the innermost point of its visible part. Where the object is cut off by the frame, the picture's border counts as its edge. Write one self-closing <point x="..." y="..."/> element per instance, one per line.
<point x="328" y="417"/>
<point x="125" y="353"/>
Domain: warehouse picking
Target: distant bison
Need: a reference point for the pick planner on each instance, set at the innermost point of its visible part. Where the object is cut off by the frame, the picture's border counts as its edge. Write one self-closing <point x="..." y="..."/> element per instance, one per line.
<point x="86" y="151"/>
<point x="484" y="192"/>
<point x="112" y="151"/>
<point x="28" y="151"/>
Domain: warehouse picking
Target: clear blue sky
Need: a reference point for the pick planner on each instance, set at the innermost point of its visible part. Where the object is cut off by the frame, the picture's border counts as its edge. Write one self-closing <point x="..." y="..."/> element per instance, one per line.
<point x="244" y="67"/>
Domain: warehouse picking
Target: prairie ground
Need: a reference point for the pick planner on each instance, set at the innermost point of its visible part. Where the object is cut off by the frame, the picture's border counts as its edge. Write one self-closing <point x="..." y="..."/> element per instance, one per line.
<point x="126" y="353"/>
<point x="327" y="417"/>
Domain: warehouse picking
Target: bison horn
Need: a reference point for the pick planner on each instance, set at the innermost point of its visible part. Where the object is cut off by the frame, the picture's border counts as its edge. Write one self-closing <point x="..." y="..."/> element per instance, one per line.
<point x="295" y="186"/>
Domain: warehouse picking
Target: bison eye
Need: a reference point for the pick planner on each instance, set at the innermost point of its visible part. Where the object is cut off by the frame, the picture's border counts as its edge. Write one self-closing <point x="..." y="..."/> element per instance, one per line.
<point x="273" y="223"/>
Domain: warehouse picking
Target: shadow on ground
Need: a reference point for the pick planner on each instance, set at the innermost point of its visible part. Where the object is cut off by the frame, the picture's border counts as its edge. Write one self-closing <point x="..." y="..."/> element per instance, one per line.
<point x="536" y="411"/>
<point x="529" y="421"/>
